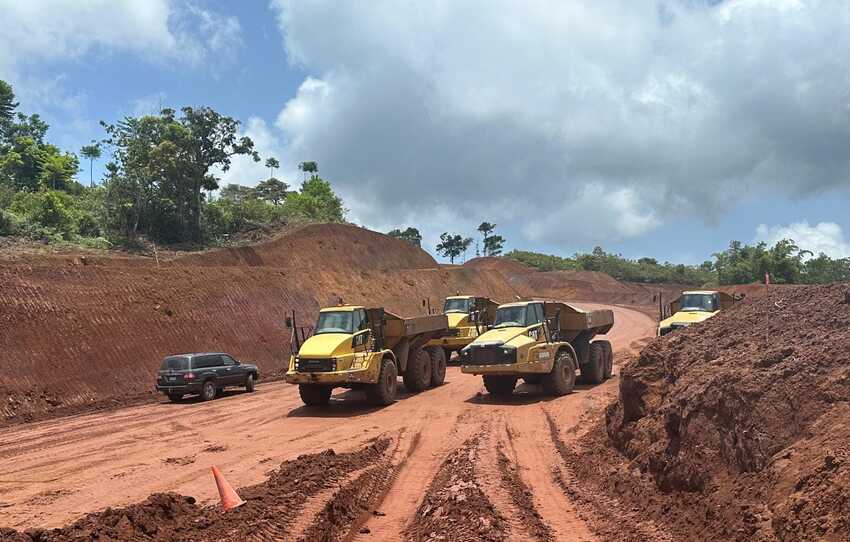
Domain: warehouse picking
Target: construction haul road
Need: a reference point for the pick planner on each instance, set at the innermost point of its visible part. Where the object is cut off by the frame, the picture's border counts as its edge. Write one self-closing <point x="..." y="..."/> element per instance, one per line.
<point x="54" y="472"/>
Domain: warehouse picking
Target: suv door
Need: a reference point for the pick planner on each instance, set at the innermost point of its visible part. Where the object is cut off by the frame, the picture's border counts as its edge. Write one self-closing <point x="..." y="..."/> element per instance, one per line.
<point x="234" y="373"/>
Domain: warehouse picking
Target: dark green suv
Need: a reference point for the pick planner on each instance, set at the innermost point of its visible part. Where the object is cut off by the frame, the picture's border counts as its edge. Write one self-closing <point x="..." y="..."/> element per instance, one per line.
<point x="204" y="374"/>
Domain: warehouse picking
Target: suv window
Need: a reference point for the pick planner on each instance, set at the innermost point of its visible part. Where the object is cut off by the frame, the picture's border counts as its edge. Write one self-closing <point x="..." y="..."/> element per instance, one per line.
<point x="205" y="362"/>
<point x="227" y="360"/>
<point x="175" y="363"/>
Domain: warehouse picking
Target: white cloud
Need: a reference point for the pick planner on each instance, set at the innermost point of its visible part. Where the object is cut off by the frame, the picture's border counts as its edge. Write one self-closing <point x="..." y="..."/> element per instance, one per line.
<point x="616" y="115"/>
<point x="244" y="170"/>
<point x="825" y="237"/>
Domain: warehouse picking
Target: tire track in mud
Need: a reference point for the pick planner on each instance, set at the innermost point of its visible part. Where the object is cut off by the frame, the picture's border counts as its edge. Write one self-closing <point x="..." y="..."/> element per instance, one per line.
<point x="608" y="519"/>
<point x="455" y="507"/>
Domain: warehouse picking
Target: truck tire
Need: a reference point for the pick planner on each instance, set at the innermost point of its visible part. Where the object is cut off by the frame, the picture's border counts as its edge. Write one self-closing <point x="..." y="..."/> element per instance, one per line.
<point x="438" y="365"/>
<point x="562" y="379"/>
<point x="593" y="371"/>
<point x="208" y="391"/>
<point x="314" y="395"/>
<point x="533" y="380"/>
<point x="384" y="391"/>
<point x="609" y="359"/>
<point x="417" y="377"/>
<point x="249" y="383"/>
<point x="500" y="385"/>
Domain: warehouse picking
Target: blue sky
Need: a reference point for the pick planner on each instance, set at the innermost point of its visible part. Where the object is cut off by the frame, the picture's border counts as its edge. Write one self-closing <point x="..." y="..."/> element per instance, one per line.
<point x="659" y="129"/>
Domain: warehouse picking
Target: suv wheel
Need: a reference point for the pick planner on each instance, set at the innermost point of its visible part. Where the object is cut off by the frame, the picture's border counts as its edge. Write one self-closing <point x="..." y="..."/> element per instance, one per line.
<point x="249" y="383"/>
<point x="208" y="391"/>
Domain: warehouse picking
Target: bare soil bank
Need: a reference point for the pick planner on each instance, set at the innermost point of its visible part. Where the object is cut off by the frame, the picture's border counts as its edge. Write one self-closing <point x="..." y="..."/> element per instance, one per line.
<point x="738" y="429"/>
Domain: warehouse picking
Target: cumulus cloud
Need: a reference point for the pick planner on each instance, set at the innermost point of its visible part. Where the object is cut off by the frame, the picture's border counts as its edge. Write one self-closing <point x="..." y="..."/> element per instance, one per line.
<point x="614" y="115"/>
<point x="824" y="237"/>
<point x="158" y="30"/>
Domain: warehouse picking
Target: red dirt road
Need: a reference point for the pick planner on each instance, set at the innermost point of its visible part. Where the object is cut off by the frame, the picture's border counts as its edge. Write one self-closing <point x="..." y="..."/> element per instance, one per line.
<point x="56" y="471"/>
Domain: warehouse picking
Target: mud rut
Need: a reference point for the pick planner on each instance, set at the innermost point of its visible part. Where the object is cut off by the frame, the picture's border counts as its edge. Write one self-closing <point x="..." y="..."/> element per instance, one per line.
<point x="451" y="463"/>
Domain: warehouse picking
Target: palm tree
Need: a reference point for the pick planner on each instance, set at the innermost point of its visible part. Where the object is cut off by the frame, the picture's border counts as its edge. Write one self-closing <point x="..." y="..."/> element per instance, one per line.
<point x="272" y="164"/>
<point x="92" y="152"/>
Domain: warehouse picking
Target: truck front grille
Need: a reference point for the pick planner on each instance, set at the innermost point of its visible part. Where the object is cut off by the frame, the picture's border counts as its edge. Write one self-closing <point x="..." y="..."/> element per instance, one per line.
<point x="487" y="355"/>
<point x="326" y="365"/>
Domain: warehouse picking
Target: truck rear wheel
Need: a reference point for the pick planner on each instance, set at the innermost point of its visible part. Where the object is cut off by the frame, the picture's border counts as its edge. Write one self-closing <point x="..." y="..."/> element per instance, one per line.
<point x="383" y="392"/>
<point x="562" y="378"/>
<point x="417" y="376"/>
<point x="438" y="365"/>
<point x="593" y="371"/>
<point x="609" y="359"/>
<point x="314" y="395"/>
<point x="500" y="385"/>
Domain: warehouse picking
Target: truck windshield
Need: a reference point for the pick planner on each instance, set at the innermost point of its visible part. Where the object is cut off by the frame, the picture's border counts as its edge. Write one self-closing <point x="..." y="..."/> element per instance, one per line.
<point x="175" y="363"/>
<point x="699" y="302"/>
<point x="457" y="305"/>
<point x="335" y="322"/>
<point x="510" y="316"/>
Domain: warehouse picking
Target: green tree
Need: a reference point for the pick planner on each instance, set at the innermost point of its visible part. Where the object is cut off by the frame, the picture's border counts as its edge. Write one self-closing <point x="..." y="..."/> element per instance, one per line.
<point x="92" y="152"/>
<point x="493" y="245"/>
<point x="272" y="164"/>
<point x="309" y="167"/>
<point x="316" y="201"/>
<point x="272" y="190"/>
<point x="237" y="193"/>
<point x="57" y="170"/>
<point x="7" y="108"/>
<point x="167" y="160"/>
<point x="452" y="245"/>
<point x="411" y="235"/>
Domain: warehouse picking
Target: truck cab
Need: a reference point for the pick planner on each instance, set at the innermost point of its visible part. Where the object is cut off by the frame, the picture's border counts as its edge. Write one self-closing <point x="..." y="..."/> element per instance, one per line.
<point x="468" y="316"/>
<point x="692" y="308"/>
<point x="365" y="349"/>
<point x="543" y="342"/>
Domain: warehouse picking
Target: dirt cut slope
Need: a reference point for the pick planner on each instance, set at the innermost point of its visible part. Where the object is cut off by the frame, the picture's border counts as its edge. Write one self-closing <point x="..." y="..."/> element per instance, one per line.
<point x="320" y="246"/>
<point x="743" y="423"/>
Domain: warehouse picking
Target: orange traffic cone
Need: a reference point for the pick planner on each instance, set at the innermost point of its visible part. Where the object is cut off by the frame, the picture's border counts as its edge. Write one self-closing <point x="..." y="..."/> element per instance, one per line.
<point x="229" y="498"/>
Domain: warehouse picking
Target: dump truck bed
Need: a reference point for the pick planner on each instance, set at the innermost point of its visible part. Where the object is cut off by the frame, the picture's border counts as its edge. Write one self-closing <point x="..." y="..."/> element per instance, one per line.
<point x="398" y="327"/>
<point x="574" y="320"/>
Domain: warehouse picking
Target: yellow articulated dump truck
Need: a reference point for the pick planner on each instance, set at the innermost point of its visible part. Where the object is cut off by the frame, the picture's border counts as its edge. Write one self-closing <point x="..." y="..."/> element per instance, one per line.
<point x="693" y="308"/>
<point x="542" y="342"/>
<point x="366" y="349"/>
<point x="468" y="317"/>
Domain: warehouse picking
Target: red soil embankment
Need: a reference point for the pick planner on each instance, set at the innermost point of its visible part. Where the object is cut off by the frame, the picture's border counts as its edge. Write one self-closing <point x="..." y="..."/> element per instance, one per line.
<point x="82" y="336"/>
<point x="738" y="429"/>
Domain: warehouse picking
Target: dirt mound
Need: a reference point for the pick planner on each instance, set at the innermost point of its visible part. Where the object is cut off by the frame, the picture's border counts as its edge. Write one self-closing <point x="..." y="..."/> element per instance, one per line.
<point x="504" y="265"/>
<point x="743" y="422"/>
<point x="270" y="509"/>
<point x="320" y="246"/>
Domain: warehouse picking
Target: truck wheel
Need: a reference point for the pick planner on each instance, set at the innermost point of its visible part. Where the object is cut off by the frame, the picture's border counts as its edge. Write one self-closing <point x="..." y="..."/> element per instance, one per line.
<point x="562" y="379"/>
<point x="249" y="383"/>
<point x="593" y="371"/>
<point x="417" y="377"/>
<point x="438" y="365"/>
<point x="533" y="380"/>
<point x="175" y="397"/>
<point x="208" y="391"/>
<point x="499" y="385"/>
<point x="314" y="395"/>
<point x="609" y="359"/>
<point x="383" y="393"/>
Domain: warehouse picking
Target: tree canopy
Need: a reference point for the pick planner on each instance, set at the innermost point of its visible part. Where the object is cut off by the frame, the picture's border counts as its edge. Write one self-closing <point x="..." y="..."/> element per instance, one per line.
<point x="452" y="245"/>
<point x="411" y="235"/>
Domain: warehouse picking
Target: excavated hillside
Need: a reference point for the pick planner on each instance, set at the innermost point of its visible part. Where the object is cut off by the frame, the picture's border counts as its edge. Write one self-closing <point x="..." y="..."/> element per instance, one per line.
<point x="738" y="429"/>
<point x="82" y="332"/>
